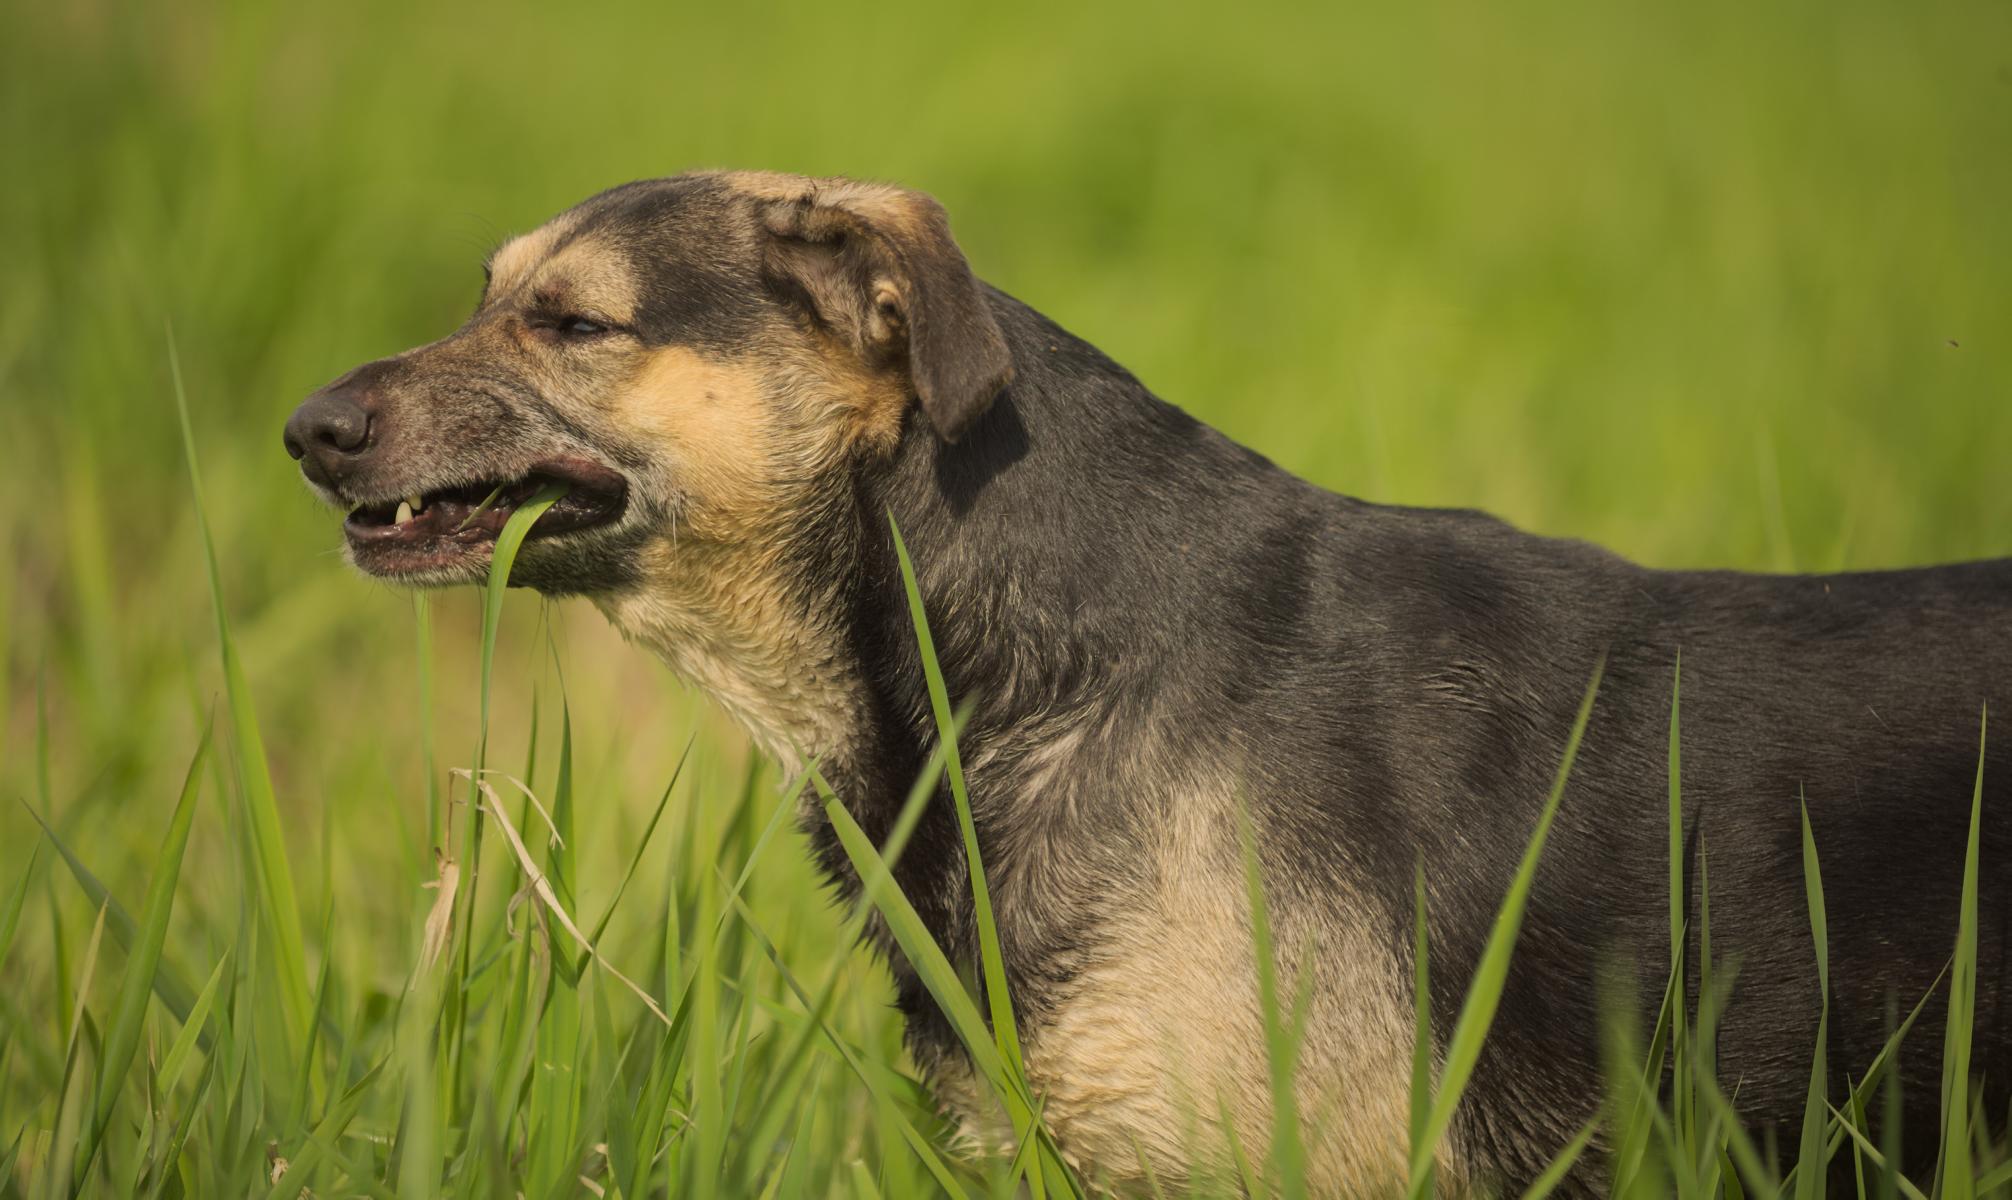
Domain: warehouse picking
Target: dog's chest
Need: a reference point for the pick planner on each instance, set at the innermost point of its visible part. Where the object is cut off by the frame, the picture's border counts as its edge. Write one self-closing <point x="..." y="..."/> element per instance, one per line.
<point x="742" y="642"/>
<point x="1156" y="1047"/>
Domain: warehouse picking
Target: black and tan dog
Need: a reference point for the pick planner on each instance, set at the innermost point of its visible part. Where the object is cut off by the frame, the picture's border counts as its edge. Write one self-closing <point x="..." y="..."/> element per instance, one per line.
<point x="741" y="375"/>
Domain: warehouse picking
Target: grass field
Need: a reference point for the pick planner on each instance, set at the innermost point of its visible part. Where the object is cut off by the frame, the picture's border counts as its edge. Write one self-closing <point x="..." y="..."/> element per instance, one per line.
<point x="1712" y="284"/>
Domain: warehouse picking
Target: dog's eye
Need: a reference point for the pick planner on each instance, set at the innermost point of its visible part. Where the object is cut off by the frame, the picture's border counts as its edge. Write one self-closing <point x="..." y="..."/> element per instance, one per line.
<point x="581" y="326"/>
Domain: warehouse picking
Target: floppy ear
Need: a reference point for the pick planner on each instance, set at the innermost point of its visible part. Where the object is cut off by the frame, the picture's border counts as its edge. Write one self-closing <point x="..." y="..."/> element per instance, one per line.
<point x="878" y="265"/>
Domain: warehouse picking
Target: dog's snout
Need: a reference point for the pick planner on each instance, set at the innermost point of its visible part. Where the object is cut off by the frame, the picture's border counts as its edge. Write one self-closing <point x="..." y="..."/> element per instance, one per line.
<point x="330" y="433"/>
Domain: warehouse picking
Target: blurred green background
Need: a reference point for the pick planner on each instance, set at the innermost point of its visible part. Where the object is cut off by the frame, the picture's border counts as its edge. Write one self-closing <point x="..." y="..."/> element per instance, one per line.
<point x="1713" y="284"/>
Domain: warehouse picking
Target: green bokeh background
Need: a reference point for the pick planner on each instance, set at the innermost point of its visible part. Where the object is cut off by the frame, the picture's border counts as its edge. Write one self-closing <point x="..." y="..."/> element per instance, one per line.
<point x="1713" y="284"/>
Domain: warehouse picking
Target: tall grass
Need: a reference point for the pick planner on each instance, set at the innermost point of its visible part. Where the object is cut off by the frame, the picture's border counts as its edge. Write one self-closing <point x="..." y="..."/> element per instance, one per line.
<point x="1712" y="285"/>
<point x="533" y="1062"/>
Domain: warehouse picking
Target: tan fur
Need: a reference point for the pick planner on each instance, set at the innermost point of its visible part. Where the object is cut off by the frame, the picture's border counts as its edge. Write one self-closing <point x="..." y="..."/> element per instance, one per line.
<point x="743" y="443"/>
<point x="891" y="208"/>
<point x="725" y="624"/>
<point x="1154" y="1050"/>
<point x="1159" y="1040"/>
<point x="586" y="276"/>
<point x="716" y="601"/>
<point x="592" y="278"/>
<point x="515" y="259"/>
<point x="724" y="442"/>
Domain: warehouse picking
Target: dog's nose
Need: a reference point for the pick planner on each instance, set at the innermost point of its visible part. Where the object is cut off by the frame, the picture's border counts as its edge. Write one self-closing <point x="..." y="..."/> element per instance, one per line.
<point x="330" y="432"/>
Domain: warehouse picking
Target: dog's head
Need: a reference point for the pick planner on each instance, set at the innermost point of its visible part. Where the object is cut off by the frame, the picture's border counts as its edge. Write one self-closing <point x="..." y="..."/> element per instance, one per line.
<point x="696" y="360"/>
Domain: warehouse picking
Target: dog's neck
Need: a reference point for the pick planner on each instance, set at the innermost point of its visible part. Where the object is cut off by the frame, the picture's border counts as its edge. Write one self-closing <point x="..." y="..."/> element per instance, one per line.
<point x="808" y="640"/>
<point x="760" y="644"/>
<point x="1061" y="575"/>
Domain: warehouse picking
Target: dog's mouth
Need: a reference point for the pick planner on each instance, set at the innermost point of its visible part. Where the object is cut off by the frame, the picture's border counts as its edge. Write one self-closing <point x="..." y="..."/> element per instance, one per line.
<point x="452" y="530"/>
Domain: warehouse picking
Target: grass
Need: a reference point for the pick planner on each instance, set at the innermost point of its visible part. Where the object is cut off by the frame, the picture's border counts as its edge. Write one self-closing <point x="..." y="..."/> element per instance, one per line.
<point x="1720" y="285"/>
<point x="511" y="1071"/>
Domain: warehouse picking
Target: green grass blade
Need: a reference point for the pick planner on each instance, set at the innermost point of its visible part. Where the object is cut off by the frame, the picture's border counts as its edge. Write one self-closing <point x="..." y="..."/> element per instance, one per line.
<point x="1858" y="1122"/>
<point x="419" y="1148"/>
<point x="790" y="1179"/>
<point x="1553" y="1175"/>
<point x="122" y="1038"/>
<point x="924" y="1152"/>
<point x="167" y="1169"/>
<point x="1028" y="1149"/>
<point x="1288" y="1154"/>
<point x="13" y="1153"/>
<point x="931" y="966"/>
<point x="254" y="775"/>
<point x="999" y="1001"/>
<point x="422" y="621"/>
<point x="1890" y="1101"/>
<point x="10" y="919"/>
<point x="73" y="1100"/>
<point x="1676" y="817"/>
<point x="1879" y="1160"/>
<point x="502" y="559"/>
<point x="636" y="859"/>
<point x="1997" y="1177"/>
<point x="488" y="502"/>
<point x="118" y="922"/>
<point x="1477" y="1011"/>
<point x="324" y="1135"/>
<point x="1955" y="1169"/>
<point x="792" y="1058"/>
<point x="562" y="860"/>
<point x="1812" y="1161"/>
<point x="708" y="1100"/>
<point x="199" y="1013"/>
<point x="1739" y="1147"/>
<point x="862" y="1182"/>
<point x="1421" y="1032"/>
<point x="304" y="1078"/>
<point x="1637" y="1125"/>
<point x="1878" y="1071"/>
<point x="939" y="699"/>
<point x="1247" y="1179"/>
<point x="1683" y="1115"/>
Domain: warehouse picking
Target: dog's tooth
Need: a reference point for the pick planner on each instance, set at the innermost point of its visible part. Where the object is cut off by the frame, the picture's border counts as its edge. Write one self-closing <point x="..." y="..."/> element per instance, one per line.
<point x="404" y="513"/>
<point x="413" y="500"/>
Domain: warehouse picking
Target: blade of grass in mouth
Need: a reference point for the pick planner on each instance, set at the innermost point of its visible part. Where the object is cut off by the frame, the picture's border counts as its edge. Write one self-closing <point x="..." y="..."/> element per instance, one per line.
<point x="500" y="561"/>
<point x="483" y="507"/>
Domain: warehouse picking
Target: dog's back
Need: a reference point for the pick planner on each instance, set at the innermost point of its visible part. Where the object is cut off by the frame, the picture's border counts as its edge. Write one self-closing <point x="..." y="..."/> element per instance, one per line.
<point x="738" y="377"/>
<point x="1862" y="696"/>
<point x="1398" y="684"/>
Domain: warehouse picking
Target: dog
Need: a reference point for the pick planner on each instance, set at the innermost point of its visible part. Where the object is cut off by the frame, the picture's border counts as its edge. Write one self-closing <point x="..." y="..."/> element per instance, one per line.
<point x="740" y="376"/>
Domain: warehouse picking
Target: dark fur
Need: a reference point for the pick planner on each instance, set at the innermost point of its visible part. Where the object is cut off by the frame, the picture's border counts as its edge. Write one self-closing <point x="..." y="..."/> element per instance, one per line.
<point x="1405" y="680"/>
<point x="1400" y="684"/>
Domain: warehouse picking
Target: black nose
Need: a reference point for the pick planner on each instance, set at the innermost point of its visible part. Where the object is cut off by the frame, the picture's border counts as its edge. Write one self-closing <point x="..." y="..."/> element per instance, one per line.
<point x="330" y="432"/>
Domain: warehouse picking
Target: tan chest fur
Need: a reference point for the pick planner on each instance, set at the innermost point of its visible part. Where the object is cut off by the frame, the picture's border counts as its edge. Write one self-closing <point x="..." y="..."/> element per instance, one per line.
<point x="1157" y="1049"/>
<point x="738" y="636"/>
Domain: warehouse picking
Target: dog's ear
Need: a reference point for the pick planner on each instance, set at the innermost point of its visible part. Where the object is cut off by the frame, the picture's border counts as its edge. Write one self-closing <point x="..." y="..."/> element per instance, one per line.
<point x="877" y="265"/>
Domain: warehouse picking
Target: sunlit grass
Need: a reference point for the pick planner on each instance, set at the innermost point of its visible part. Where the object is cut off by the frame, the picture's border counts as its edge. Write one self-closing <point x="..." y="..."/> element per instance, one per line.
<point x="516" y="1055"/>
<point x="1719" y="285"/>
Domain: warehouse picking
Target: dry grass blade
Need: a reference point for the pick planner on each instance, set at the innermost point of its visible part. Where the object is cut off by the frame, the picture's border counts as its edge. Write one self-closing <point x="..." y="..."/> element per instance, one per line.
<point x="543" y="888"/>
